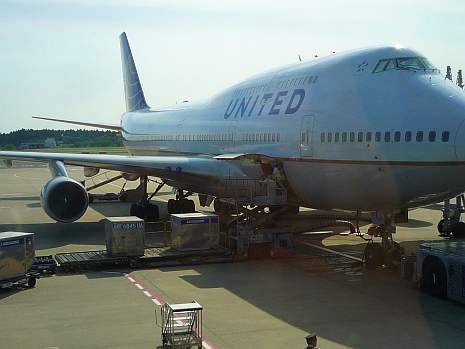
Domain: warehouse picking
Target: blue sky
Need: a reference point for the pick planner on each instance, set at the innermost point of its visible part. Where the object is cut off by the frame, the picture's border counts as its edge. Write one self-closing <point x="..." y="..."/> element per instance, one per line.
<point x="61" y="58"/>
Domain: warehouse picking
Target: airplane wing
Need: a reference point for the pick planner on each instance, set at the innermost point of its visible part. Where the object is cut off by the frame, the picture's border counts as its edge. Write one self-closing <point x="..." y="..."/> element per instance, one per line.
<point x="167" y="167"/>
<point x="114" y="127"/>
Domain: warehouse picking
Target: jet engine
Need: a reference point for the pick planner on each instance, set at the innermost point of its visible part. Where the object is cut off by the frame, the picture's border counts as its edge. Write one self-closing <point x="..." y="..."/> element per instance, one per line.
<point x="63" y="198"/>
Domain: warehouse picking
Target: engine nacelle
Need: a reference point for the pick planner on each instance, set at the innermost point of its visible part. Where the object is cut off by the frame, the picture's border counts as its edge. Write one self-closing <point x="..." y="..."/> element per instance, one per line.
<point x="64" y="199"/>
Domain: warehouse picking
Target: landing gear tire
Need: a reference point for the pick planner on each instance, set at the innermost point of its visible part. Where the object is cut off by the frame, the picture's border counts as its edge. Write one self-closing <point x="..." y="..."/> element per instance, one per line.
<point x="434" y="279"/>
<point x="148" y="212"/>
<point x="151" y="213"/>
<point x="173" y="206"/>
<point x="393" y="256"/>
<point x="188" y="206"/>
<point x="31" y="282"/>
<point x="374" y="255"/>
<point x="458" y="230"/>
<point x="441" y="227"/>
<point x="181" y="206"/>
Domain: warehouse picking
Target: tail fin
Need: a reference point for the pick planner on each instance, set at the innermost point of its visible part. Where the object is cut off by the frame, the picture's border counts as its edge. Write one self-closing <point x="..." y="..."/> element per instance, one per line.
<point x="135" y="99"/>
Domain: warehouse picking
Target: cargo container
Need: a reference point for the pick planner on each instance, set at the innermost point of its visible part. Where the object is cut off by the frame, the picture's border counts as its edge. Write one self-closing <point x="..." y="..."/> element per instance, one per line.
<point x="16" y="255"/>
<point x="194" y="231"/>
<point x="124" y="236"/>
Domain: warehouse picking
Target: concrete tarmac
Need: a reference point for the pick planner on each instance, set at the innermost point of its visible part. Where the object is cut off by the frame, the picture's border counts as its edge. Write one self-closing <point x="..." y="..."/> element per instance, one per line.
<point x="268" y="303"/>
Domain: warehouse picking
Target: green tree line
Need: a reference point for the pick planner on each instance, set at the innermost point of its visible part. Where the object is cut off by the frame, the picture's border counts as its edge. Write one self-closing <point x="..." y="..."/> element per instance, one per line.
<point x="64" y="138"/>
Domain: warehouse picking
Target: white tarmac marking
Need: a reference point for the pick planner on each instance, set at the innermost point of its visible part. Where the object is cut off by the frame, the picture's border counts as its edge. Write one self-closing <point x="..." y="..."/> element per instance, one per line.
<point x="12" y="194"/>
<point x="206" y="346"/>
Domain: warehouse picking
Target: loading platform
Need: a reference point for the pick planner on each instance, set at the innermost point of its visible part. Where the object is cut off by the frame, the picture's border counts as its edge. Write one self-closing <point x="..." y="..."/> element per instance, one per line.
<point x="153" y="257"/>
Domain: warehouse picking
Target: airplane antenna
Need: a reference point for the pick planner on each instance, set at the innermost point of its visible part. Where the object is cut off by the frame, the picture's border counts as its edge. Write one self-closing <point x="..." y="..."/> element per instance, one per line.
<point x="460" y="79"/>
<point x="449" y="73"/>
<point x="300" y="59"/>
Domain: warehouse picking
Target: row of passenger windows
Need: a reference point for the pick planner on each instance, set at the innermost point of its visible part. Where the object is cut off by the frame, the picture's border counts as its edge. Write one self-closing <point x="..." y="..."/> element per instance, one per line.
<point x="260" y="137"/>
<point x="298" y="81"/>
<point x="270" y="137"/>
<point x="379" y="136"/>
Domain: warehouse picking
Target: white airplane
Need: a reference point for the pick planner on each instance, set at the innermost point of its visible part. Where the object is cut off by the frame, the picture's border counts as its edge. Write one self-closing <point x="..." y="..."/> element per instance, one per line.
<point x="374" y="129"/>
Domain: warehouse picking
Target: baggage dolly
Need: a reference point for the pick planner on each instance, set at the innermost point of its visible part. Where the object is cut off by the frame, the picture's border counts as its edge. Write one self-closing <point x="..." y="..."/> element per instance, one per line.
<point x="182" y="325"/>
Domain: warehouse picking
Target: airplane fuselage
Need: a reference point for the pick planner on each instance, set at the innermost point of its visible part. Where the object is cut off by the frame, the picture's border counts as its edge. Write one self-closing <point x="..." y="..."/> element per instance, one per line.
<point x="348" y="136"/>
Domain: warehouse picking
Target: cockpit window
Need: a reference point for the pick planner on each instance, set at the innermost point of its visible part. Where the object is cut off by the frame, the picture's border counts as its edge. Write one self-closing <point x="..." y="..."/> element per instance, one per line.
<point x="404" y="63"/>
<point x="381" y="66"/>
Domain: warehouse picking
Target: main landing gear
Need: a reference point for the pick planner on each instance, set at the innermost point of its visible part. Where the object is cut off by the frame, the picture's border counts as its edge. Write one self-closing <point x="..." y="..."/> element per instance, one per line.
<point x="144" y="209"/>
<point x="451" y="225"/>
<point x="387" y="252"/>
<point x="181" y="204"/>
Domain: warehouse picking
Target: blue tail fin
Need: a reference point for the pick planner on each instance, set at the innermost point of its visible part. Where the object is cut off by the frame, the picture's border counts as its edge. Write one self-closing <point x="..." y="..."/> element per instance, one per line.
<point x="135" y="99"/>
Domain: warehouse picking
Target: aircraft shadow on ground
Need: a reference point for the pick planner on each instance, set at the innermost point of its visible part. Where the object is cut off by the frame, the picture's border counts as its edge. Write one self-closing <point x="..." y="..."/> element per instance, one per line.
<point x="311" y="300"/>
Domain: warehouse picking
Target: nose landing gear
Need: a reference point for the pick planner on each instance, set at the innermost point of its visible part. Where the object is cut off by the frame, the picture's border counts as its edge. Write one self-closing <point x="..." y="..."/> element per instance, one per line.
<point x="387" y="252"/>
<point x="451" y="225"/>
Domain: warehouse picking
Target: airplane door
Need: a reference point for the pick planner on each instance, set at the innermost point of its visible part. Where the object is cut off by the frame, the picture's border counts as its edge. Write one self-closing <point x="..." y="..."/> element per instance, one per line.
<point x="306" y="130"/>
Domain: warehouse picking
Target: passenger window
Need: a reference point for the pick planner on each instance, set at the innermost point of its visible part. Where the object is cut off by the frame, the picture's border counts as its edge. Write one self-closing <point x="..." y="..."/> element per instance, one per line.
<point x="336" y="137"/>
<point x="445" y="136"/>
<point x="368" y="137"/>
<point x="330" y="137"/>
<point x="277" y="137"/>
<point x="378" y="136"/>
<point x="420" y="136"/>
<point x="408" y="136"/>
<point x="387" y="137"/>
<point x="269" y="137"/>
<point x="302" y="139"/>
<point x="432" y="136"/>
<point x="397" y="136"/>
<point x="360" y="137"/>
<point x="273" y="137"/>
<point x="352" y="136"/>
<point x="322" y="137"/>
<point x="344" y="137"/>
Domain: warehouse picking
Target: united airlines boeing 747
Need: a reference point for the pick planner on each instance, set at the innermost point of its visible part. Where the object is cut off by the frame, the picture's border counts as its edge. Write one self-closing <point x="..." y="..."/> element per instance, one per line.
<point x="374" y="129"/>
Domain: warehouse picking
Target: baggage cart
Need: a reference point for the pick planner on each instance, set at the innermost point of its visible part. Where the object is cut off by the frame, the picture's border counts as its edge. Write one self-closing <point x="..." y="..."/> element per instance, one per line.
<point x="16" y="259"/>
<point x="182" y="325"/>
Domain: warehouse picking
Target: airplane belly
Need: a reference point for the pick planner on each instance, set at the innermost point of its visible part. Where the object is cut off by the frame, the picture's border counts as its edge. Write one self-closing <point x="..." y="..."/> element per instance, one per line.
<point x="371" y="187"/>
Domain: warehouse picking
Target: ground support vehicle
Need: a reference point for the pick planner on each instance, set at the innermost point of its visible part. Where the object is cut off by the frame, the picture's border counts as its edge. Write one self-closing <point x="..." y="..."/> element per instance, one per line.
<point x="440" y="268"/>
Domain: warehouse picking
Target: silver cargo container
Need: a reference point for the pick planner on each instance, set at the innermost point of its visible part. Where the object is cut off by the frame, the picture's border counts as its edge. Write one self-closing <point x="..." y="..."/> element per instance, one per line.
<point x="194" y="231"/>
<point x="16" y="254"/>
<point x="124" y="236"/>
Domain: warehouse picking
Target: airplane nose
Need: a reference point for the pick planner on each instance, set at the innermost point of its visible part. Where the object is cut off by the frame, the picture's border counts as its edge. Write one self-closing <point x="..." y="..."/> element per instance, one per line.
<point x="460" y="142"/>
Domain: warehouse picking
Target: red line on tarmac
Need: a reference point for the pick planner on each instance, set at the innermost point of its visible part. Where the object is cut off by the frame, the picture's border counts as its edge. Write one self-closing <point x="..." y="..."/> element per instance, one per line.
<point x="158" y="300"/>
